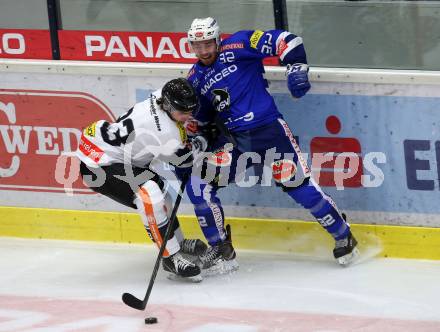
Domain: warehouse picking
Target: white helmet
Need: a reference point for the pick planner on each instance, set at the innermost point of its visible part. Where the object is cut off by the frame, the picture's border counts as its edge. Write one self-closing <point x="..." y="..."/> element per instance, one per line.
<point x="204" y="29"/>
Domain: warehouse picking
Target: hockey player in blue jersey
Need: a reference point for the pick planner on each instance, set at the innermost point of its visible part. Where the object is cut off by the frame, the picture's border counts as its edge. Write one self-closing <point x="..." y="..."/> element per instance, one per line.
<point x="228" y="78"/>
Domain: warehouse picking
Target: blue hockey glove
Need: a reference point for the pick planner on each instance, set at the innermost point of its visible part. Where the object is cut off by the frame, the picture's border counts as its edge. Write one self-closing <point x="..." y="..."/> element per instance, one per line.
<point x="297" y="79"/>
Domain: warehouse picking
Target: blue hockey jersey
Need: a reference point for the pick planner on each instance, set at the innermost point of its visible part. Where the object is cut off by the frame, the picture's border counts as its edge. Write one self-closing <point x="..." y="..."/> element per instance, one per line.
<point x="234" y="86"/>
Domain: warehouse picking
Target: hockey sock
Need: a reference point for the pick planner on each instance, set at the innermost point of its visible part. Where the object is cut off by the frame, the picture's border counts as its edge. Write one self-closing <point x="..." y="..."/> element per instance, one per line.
<point x="322" y="207"/>
<point x="208" y="210"/>
<point x="150" y="205"/>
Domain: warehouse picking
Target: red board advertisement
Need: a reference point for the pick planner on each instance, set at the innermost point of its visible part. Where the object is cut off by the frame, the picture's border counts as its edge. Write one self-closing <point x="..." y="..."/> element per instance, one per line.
<point x="128" y="46"/>
<point x="38" y="129"/>
<point x="157" y="47"/>
<point x="336" y="161"/>
<point x="25" y="44"/>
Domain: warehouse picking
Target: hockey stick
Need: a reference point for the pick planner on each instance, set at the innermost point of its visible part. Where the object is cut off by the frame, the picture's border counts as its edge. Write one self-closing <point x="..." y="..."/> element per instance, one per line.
<point x="225" y="131"/>
<point x="133" y="301"/>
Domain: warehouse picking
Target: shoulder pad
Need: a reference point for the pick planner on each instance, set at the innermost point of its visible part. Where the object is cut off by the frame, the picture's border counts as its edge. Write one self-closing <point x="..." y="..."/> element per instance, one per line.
<point x="238" y="40"/>
<point x="246" y="37"/>
<point x="238" y="36"/>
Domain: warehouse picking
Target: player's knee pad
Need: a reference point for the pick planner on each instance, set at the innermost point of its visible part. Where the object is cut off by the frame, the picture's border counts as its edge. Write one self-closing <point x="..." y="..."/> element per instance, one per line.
<point x="150" y="202"/>
<point x="168" y="203"/>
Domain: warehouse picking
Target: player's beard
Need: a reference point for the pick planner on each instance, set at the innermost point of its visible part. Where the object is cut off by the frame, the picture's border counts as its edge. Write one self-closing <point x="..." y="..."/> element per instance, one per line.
<point x="209" y="59"/>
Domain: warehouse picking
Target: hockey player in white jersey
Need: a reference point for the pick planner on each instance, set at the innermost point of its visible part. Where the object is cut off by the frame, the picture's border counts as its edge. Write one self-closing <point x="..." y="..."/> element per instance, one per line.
<point x="118" y="160"/>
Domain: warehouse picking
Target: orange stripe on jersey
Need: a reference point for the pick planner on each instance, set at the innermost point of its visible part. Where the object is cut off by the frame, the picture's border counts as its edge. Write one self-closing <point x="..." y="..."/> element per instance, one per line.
<point x="149" y="212"/>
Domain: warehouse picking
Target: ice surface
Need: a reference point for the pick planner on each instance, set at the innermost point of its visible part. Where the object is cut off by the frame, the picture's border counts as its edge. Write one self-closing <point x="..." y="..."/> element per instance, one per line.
<point x="56" y="286"/>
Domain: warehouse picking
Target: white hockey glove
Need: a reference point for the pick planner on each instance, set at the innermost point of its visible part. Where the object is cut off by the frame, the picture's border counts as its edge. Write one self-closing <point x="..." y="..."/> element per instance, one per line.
<point x="185" y="156"/>
<point x="297" y="79"/>
<point x="199" y="144"/>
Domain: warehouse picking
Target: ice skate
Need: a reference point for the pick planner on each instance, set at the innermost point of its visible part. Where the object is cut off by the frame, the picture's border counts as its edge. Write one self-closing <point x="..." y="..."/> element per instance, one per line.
<point x="220" y="259"/>
<point x="345" y="251"/>
<point x="193" y="247"/>
<point x="180" y="268"/>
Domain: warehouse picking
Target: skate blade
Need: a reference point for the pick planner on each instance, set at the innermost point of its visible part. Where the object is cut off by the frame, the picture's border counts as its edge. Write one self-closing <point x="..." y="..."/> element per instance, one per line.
<point x="222" y="267"/>
<point x="195" y="279"/>
<point x="349" y="258"/>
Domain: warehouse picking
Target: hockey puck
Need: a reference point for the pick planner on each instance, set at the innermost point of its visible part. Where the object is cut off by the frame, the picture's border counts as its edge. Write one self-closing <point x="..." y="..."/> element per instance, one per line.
<point x="150" y="320"/>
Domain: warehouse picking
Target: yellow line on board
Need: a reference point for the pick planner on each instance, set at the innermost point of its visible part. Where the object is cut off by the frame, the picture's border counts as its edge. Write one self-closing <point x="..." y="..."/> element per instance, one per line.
<point x="293" y="236"/>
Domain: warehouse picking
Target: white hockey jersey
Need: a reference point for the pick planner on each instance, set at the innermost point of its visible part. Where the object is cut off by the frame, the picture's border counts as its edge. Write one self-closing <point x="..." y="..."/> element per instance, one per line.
<point x="143" y="134"/>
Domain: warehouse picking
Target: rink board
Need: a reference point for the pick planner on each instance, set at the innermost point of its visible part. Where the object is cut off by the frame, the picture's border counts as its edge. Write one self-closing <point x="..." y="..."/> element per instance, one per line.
<point x="298" y="237"/>
<point x="369" y="113"/>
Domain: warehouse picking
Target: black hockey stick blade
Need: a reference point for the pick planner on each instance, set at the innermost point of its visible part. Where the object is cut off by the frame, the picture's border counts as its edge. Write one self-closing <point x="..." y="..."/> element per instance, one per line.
<point x="133" y="301"/>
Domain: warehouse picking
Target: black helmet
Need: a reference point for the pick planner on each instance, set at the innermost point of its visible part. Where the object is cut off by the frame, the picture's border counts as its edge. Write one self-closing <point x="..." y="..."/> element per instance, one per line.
<point x="179" y="95"/>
